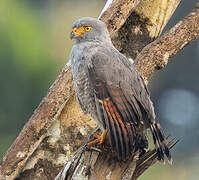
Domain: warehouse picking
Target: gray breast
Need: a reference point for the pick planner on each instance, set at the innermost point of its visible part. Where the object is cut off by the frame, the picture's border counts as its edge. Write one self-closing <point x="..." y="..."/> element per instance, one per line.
<point x="83" y="89"/>
<point x="82" y="86"/>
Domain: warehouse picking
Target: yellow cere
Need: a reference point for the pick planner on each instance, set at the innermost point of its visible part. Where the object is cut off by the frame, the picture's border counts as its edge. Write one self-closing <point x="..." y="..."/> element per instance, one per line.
<point x="78" y="31"/>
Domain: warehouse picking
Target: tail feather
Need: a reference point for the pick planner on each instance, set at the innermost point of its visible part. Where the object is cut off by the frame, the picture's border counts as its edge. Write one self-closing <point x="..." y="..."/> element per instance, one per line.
<point x="160" y="143"/>
<point x="131" y="134"/>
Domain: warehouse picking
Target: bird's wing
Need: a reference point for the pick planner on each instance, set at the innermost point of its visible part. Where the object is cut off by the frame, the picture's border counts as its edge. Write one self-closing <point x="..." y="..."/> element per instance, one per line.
<point x="122" y="100"/>
<point x="118" y="103"/>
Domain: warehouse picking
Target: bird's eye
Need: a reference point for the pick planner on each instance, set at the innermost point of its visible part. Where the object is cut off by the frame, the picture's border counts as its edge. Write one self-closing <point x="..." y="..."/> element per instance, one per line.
<point x="87" y="28"/>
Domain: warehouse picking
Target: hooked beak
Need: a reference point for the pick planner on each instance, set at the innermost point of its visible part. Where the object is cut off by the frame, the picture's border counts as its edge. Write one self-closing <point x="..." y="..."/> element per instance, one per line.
<point x="77" y="32"/>
<point x="72" y="35"/>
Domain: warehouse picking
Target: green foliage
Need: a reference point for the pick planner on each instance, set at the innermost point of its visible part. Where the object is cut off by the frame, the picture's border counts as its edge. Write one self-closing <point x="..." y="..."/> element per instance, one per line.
<point x="26" y="67"/>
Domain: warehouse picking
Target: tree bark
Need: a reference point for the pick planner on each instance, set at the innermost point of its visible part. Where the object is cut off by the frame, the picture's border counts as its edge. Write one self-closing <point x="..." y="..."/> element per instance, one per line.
<point x="99" y="164"/>
<point x="58" y="127"/>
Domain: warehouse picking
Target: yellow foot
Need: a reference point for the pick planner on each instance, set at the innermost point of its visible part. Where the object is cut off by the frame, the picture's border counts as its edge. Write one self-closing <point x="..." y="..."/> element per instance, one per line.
<point x="99" y="139"/>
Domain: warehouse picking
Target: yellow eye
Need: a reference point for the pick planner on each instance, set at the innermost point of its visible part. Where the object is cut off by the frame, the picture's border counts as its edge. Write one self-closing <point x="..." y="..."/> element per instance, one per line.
<point x="87" y="28"/>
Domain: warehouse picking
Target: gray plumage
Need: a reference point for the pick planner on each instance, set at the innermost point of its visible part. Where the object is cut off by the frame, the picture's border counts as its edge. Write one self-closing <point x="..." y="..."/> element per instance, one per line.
<point x="109" y="88"/>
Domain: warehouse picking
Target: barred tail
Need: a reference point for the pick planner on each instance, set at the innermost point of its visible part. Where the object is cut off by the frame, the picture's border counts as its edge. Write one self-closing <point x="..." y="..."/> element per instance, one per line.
<point x="160" y="142"/>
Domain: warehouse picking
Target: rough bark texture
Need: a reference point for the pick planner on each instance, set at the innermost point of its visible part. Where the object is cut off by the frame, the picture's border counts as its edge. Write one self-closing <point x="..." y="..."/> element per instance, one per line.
<point x="117" y="13"/>
<point x="36" y="128"/>
<point x="58" y="127"/>
<point x="90" y="164"/>
<point x="144" y="24"/>
<point x="156" y="55"/>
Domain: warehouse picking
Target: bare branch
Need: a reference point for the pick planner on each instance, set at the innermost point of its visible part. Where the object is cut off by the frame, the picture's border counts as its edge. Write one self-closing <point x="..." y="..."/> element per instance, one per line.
<point x="104" y="166"/>
<point x="116" y="13"/>
<point x="143" y="25"/>
<point x="35" y="129"/>
<point x="156" y="55"/>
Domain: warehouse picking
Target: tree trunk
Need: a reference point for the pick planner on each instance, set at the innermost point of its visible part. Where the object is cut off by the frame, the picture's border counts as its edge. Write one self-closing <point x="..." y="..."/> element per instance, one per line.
<point x="58" y="127"/>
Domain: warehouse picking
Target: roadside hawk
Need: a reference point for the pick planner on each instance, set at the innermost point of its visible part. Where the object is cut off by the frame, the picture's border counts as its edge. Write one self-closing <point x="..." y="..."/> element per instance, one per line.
<point x="109" y="88"/>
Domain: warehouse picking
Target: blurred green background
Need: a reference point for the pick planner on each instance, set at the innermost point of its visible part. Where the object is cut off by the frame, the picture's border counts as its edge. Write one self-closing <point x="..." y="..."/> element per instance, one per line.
<point x="35" y="45"/>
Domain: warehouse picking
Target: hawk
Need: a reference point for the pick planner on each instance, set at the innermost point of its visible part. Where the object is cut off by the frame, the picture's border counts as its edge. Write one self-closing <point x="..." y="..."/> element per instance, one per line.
<point x="111" y="90"/>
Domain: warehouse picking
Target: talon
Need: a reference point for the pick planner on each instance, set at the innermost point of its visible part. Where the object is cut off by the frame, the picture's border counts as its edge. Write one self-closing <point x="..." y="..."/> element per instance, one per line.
<point x="92" y="143"/>
<point x="96" y="136"/>
<point x="99" y="139"/>
<point x="103" y="137"/>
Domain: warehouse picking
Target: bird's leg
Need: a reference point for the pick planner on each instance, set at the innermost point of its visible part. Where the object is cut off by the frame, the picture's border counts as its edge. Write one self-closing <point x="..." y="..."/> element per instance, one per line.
<point x="99" y="139"/>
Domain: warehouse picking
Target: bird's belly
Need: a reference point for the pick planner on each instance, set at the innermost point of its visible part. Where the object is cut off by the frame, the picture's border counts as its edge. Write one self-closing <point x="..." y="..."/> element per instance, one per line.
<point x="85" y="95"/>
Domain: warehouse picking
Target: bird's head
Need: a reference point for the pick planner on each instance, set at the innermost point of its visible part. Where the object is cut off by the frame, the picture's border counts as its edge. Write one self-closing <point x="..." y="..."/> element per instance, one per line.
<point x="89" y="29"/>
